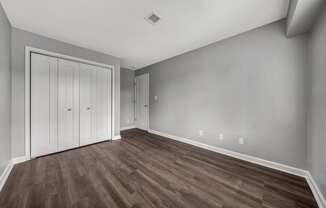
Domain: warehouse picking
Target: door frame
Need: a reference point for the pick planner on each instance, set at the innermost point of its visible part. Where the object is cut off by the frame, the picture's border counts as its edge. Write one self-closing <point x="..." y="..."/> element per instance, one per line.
<point x="28" y="51"/>
<point x="147" y="129"/>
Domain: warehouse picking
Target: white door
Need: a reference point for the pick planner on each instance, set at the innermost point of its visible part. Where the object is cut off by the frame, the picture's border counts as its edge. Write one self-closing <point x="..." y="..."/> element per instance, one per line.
<point x="68" y="101"/>
<point x="44" y="97"/>
<point x="86" y="105"/>
<point x="103" y="105"/>
<point x="95" y="104"/>
<point x="142" y="103"/>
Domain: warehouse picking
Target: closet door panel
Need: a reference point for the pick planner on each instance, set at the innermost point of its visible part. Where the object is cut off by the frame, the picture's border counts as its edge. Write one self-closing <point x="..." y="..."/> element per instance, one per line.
<point x="94" y="105"/>
<point x="102" y="104"/>
<point x="44" y="95"/>
<point x="68" y="108"/>
<point x="86" y="105"/>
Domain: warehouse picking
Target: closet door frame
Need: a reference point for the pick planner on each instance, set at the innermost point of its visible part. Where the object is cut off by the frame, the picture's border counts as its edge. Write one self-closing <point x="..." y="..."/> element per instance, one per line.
<point x="28" y="52"/>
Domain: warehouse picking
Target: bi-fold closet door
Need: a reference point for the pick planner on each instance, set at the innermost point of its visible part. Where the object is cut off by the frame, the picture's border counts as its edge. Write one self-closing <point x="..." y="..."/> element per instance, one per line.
<point x="95" y="110"/>
<point x="70" y="104"/>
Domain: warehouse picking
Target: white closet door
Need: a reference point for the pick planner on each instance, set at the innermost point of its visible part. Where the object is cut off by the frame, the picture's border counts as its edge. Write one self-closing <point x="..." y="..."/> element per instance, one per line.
<point x="44" y="97"/>
<point x="95" y="104"/>
<point x="68" y="108"/>
<point x="103" y="104"/>
<point x="86" y="80"/>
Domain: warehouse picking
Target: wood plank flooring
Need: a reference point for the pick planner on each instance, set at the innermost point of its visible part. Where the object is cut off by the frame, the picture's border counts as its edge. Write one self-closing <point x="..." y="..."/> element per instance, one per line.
<point x="145" y="170"/>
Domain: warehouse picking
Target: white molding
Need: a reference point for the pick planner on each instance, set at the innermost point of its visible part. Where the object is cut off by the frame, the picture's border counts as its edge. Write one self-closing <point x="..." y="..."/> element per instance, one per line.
<point x="148" y="75"/>
<point x="28" y="51"/>
<point x="17" y="160"/>
<point x="27" y="102"/>
<point x="320" y="199"/>
<point x="241" y="156"/>
<point x="274" y="165"/>
<point x="316" y="191"/>
<point x="127" y="127"/>
<point x="113" y="103"/>
<point x="4" y="176"/>
<point x="63" y="56"/>
<point x="117" y="137"/>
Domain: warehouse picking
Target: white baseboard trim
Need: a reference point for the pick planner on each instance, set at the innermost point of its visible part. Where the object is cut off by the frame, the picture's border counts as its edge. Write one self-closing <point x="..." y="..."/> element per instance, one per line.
<point x="274" y="165"/>
<point x="127" y="127"/>
<point x="4" y="176"/>
<point x="7" y="171"/>
<point x="117" y="137"/>
<point x="17" y="160"/>
<point x="316" y="191"/>
<point x="252" y="159"/>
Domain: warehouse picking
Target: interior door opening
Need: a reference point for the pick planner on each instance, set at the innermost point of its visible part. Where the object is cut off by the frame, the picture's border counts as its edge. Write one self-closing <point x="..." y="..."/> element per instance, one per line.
<point x="142" y="102"/>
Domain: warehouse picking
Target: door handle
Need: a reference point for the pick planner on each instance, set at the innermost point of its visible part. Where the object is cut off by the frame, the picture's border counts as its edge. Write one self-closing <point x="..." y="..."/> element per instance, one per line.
<point x="69" y="109"/>
<point x="88" y="108"/>
<point x="145" y="106"/>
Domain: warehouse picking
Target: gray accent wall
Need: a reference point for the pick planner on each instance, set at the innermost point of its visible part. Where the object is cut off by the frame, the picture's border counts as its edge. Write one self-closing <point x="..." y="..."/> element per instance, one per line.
<point x="127" y="92"/>
<point x="317" y="119"/>
<point x="5" y="91"/>
<point x="252" y="86"/>
<point x="20" y="39"/>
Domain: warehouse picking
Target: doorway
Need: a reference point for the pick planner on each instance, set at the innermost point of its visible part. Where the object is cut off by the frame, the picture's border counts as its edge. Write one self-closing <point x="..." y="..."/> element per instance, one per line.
<point x="142" y="102"/>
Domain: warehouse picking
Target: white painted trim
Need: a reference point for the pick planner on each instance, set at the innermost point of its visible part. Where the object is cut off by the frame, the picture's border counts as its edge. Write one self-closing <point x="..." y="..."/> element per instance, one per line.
<point x="113" y="104"/>
<point x="28" y="51"/>
<point x="300" y="172"/>
<point x="17" y="160"/>
<point x="27" y="102"/>
<point x="316" y="191"/>
<point x="63" y="56"/>
<point x="241" y="156"/>
<point x="274" y="165"/>
<point x="127" y="127"/>
<point x="117" y="137"/>
<point x="4" y="176"/>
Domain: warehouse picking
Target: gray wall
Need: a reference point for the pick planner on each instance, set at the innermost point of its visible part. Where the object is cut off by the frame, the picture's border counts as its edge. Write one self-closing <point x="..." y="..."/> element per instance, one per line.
<point x="20" y="39"/>
<point x="127" y="92"/>
<point x="317" y="119"/>
<point x="252" y="86"/>
<point x="5" y="91"/>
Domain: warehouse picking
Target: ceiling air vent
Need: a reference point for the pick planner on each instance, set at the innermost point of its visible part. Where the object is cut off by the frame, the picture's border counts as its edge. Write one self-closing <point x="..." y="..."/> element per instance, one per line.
<point x="153" y="18"/>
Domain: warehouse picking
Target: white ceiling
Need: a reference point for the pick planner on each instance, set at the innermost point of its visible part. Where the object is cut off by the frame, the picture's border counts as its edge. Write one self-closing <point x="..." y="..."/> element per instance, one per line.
<point x="118" y="28"/>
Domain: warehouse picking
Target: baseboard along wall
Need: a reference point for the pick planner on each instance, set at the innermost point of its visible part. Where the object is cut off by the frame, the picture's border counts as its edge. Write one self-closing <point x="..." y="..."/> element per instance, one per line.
<point x="274" y="165"/>
<point x="127" y="127"/>
<point x="278" y="166"/>
<point x="116" y="137"/>
<point x="4" y="176"/>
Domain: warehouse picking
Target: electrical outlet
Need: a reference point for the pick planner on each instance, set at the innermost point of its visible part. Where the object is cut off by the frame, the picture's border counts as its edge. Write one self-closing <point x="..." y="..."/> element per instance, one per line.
<point x="155" y="98"/>
<point x="241" y="140"/>
<point x="221" y="137"/>
<point x="201" y="132"/>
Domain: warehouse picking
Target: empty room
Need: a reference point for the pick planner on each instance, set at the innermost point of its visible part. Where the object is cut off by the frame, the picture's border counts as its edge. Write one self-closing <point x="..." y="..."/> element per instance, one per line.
<point x="163" y="104"/>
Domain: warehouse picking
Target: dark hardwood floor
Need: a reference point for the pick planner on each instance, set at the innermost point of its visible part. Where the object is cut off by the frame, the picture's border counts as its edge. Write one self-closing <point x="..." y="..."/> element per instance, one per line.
<point x="145" y="170"/>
